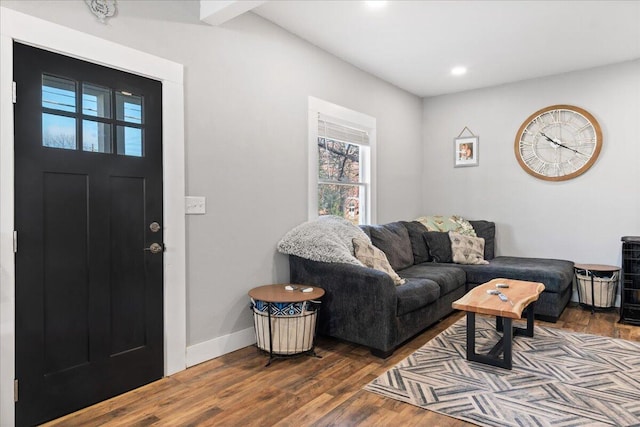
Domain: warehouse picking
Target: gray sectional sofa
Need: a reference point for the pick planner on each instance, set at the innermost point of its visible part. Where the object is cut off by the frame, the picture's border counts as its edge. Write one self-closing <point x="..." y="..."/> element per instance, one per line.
<point x="363" y="305"/>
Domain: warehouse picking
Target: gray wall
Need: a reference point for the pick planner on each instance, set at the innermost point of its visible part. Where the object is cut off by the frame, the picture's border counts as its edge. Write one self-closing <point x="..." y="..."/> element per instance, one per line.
<point x="246" y="89"/>
<point x="581" y="219"/>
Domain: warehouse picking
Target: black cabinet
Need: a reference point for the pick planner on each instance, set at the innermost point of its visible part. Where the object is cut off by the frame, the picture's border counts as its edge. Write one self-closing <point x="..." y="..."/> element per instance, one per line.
<point x="630" y="295"/>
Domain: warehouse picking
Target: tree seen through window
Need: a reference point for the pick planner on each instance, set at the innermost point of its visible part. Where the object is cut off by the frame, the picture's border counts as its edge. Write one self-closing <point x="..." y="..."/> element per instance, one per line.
<point x="339" y="179"/>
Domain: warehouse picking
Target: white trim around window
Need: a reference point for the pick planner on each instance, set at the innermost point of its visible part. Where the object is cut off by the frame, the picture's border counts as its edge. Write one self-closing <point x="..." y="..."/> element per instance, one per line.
<point x="319" y="108"/>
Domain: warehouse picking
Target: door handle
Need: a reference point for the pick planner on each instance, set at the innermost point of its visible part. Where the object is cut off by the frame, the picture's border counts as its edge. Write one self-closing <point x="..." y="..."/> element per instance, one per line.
<point x="155" y="248"/>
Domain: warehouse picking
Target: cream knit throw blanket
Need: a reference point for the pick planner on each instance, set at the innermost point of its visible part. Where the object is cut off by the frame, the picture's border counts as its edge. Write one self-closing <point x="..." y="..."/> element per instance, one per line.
<point x="328" y="239"/>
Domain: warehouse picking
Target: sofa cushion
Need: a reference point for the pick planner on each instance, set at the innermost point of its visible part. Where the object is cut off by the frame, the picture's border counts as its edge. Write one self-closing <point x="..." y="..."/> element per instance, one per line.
<point x="486" y="230"/>
<point x="366" y="229"/>
<point x="416" y="293"/>
<point x="418" y="245"/>
<point x="557" y="275"/>
<point x="439" y="246"/>
<point x="448" y="277"/>
<point x="393" y="240"/>
<point x="467" y="249"/>
<point x="374" y="258"/>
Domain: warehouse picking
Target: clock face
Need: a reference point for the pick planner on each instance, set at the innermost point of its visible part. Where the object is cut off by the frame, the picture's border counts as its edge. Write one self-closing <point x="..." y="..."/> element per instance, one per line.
<point x="558" y="143"/>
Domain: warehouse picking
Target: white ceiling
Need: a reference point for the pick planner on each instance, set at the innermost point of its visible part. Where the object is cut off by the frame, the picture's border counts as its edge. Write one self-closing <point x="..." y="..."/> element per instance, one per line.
<point x="414" y="44"/>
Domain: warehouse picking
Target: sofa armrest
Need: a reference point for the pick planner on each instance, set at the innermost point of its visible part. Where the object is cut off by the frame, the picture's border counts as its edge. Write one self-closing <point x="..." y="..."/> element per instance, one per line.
<point x="359" y="304"/>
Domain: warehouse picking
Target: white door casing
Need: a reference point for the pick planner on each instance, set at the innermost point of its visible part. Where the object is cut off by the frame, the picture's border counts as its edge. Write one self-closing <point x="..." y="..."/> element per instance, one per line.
<point x="46" y="35"/>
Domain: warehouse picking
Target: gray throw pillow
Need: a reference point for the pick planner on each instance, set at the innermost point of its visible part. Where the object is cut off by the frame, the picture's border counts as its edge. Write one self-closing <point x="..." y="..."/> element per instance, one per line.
<point x="439" y="246"/>
<point x="393" y="240"/>
<point x="486" y="230"/>
<point x="418" y="245"/>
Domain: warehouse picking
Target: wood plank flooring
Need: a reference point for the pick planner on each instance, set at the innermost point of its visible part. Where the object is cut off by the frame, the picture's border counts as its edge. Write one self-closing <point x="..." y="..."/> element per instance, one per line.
<point x="238" y="390"/>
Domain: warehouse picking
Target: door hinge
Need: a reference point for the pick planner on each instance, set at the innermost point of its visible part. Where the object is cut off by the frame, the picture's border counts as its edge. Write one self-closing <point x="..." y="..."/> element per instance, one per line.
<point x="15" y="390"/>
<point x="15" y="241"/>
<point x="14" y="92"/>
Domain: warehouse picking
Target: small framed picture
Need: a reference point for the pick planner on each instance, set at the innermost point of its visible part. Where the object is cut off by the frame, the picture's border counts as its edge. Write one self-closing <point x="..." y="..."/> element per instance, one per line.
<point x="465" y="151"/>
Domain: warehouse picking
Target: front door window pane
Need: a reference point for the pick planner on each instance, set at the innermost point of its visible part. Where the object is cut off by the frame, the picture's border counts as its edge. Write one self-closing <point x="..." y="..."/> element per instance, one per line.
<point x="96" y="136"/>
<point x="58" y="131"/>
<point x="96" y="100"/>
<point x="58" y="93"/>
<point x="112" y="121"/>
<point x="129" y="107"/>
<point x="129" y="141"/>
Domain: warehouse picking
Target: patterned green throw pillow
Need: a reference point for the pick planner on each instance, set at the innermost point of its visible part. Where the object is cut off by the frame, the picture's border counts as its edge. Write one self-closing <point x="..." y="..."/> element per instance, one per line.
<point x="448" y="223"/>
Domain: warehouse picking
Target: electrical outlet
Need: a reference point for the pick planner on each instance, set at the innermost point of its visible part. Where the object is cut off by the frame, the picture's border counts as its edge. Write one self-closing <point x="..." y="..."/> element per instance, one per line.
<point x="195" y="205"/>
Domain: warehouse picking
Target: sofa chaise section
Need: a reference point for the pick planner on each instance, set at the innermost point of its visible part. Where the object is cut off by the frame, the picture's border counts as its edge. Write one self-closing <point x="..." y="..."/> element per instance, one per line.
<point x="557" y="276"/>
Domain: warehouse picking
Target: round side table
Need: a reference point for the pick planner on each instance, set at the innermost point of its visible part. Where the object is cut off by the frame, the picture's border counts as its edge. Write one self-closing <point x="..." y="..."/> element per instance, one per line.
<point x="607" y="285"/>
<point x="288" y="318"/>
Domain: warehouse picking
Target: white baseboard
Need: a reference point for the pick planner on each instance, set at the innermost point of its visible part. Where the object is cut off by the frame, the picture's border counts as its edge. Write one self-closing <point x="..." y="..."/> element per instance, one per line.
<point x="216" y="347"/>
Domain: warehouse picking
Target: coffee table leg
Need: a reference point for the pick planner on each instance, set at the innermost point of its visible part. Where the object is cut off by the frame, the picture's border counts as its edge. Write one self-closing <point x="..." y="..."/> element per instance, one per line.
<point x="525" y="332"/>
<point x="530" y="319"/>
<point x="504" y="344"/>
<point x="471" y="335"/>
<point x="507" y="341"/>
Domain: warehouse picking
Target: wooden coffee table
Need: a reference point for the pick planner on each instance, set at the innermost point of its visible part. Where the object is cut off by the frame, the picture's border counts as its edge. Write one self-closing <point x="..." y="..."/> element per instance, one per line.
<point x="521" y="295"/>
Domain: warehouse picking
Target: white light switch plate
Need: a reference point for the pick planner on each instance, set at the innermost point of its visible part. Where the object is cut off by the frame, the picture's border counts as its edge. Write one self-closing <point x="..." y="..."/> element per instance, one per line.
<point x="195" y="205"/>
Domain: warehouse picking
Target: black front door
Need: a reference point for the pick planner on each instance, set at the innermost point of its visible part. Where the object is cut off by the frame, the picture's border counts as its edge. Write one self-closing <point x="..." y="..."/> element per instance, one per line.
<point x="88" y="206"/>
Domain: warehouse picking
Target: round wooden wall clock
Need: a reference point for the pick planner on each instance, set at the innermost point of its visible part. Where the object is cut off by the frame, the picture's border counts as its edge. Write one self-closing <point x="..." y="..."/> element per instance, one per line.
<point x="559" y="142"/>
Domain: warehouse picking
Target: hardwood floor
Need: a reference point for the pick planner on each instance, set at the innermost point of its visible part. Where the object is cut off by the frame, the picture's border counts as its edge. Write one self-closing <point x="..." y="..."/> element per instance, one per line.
<point x="238" y="390"/>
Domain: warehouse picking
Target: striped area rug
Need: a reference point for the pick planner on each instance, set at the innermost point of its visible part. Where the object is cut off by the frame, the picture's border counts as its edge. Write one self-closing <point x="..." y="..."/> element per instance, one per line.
<point x="559" y="378"/>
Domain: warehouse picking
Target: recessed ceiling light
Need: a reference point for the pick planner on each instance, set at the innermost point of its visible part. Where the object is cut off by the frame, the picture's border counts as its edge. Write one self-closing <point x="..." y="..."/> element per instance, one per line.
<point x="458" y="71"/>
<point x="376" y="4"/>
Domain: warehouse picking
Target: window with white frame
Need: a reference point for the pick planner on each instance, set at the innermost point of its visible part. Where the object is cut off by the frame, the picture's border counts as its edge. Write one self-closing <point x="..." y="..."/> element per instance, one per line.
<point x="341" y="162"/>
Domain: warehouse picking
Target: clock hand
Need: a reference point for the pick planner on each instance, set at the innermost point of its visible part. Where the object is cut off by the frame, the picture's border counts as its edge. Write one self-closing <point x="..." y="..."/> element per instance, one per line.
<point x="560" y="144"/>
<point x="569" y="148"/>
<point x="547" y="137"/>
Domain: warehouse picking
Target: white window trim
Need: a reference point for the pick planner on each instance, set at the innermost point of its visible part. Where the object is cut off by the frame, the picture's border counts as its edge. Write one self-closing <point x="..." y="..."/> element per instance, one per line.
<point x="348" y="117"/>
<point x="44" y="34"/>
